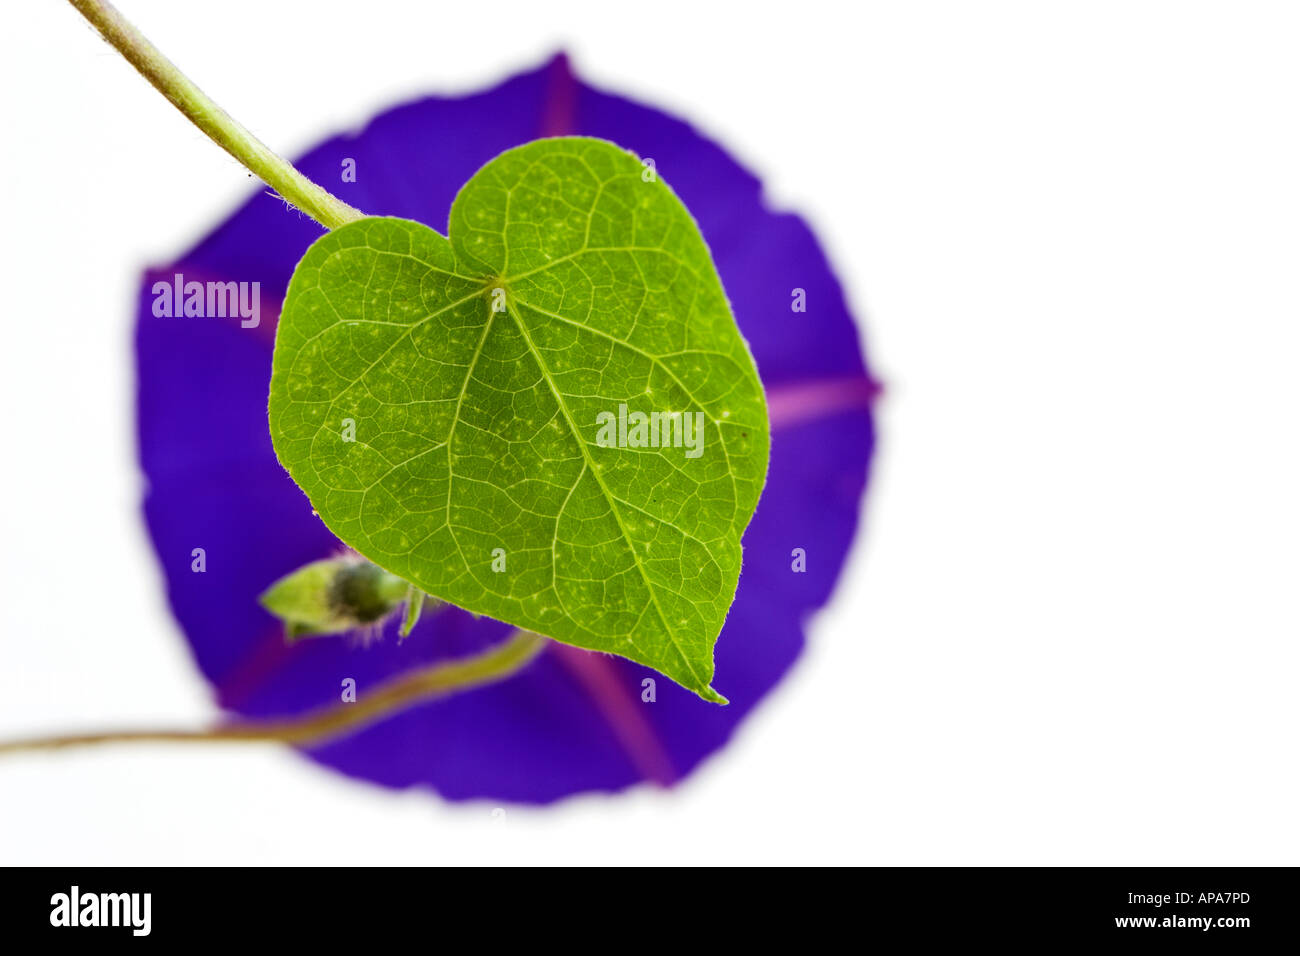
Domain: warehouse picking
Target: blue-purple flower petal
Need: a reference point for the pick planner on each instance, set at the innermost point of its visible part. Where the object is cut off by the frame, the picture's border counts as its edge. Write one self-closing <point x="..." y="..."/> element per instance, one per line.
<point x="572" y="721"/>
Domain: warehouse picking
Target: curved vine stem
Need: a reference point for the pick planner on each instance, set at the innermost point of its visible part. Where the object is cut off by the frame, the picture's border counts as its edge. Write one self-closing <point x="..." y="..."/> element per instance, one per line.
<point x="330" y="211"/>
<point x="335" y="720"/>
<point x="404" y="691"/>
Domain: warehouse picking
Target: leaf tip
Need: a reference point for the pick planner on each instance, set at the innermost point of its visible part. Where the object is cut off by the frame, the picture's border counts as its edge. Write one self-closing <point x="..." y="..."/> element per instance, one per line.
<point x="712" y="696"/>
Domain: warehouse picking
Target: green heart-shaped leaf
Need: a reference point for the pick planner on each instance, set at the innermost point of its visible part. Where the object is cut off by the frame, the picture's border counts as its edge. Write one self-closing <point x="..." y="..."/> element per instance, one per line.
<point x="464" y="412"/>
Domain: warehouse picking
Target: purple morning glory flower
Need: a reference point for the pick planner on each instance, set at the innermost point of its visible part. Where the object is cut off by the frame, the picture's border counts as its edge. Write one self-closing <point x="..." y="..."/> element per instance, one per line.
<point x="572" y="721"/>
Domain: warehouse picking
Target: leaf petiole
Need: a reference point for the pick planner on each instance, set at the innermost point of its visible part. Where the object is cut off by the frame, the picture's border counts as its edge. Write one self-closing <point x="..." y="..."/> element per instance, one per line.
<point x="330" y="211"/>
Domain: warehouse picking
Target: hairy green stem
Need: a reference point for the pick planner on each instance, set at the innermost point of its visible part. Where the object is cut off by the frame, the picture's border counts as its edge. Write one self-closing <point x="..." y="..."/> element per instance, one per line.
<point x="336" y="720"/>
<point x="280" y="175"/>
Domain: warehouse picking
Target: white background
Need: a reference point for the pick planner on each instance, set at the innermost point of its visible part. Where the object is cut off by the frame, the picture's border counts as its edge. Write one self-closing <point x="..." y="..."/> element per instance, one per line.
<point x="1068" y="632"/>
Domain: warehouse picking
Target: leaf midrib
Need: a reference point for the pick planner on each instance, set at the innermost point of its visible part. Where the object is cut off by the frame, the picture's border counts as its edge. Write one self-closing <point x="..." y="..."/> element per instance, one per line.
<point x="610" y="499"/>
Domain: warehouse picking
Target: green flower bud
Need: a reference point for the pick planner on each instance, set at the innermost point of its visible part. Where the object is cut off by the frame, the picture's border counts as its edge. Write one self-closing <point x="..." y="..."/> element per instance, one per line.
<point x="334" y="596"/>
